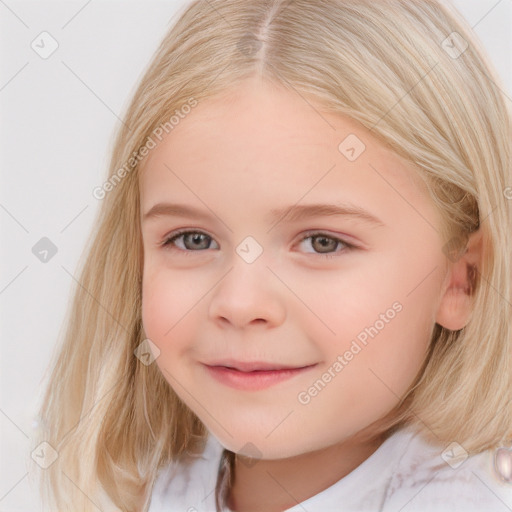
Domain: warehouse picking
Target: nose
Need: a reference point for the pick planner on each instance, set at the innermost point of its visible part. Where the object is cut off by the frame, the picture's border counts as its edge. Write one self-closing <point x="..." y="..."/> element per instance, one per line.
<point x="249" y="294"/>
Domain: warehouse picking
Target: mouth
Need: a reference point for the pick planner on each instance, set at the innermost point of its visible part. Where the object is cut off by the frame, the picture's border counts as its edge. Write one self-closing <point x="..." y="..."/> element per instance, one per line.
<point x="253" y="375"/>
<point x="254" y="366"/>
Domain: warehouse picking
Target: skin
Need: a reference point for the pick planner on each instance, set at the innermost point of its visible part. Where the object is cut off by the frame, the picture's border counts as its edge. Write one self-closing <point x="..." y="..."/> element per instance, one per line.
<point x="236" y="157"/>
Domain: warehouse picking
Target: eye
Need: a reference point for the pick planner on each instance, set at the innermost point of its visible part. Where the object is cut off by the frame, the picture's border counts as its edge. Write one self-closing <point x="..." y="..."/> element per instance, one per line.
<point x="190" y="241"/>
<point x="325" y="245"/>
<point x="317" y="243"/>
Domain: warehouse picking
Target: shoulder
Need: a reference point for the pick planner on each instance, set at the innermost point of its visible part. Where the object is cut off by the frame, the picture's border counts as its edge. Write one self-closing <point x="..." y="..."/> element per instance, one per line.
<point x="432" y="478"/>
<point x="188" y="486"/>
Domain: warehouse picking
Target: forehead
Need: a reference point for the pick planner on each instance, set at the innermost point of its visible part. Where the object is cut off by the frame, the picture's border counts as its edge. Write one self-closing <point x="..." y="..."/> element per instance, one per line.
<point x="253" y="119"/>
<point x="265" y="139"/>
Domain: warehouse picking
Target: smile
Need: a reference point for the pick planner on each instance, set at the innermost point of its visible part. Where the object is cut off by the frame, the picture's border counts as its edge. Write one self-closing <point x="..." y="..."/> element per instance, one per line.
<point x="253" y="380"/>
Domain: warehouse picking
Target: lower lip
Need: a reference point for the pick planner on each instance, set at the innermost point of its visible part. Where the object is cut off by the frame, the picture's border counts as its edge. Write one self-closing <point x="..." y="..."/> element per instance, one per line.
<point x="255" y="380"/>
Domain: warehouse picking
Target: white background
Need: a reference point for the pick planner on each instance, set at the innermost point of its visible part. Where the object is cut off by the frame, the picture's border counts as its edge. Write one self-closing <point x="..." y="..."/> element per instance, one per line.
<point x="57" y="121"/>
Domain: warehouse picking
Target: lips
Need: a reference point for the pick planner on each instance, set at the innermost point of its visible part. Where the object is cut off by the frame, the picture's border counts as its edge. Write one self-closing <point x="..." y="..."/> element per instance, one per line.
<point x="254" y="366"/>
<point x="253" y="375"/>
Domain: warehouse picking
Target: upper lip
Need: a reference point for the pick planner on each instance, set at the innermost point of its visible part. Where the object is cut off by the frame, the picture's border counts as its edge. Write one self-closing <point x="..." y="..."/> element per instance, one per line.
<point x="250" y="366"/>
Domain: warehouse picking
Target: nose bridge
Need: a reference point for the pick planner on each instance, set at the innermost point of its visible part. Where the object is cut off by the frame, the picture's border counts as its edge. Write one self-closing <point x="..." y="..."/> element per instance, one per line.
<point x="246" y="278"/>
<point x="247" y="293"/>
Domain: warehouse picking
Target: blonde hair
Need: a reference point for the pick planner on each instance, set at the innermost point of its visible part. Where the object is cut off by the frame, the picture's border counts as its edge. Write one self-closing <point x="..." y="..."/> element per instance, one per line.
<point x="115" y="421"/>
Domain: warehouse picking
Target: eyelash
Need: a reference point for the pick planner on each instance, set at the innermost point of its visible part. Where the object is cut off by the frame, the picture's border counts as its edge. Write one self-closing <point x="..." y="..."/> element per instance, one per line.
<point x="167" y="243"/>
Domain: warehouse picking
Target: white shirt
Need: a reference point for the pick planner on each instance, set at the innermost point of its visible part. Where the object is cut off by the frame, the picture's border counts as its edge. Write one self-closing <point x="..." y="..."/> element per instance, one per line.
<point x="405" y="474"/>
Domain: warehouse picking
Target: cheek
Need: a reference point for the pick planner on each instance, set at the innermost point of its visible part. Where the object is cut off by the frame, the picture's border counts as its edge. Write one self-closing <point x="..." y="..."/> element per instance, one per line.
<point x="156" y="309"/>
<point x="383" y="314"/>
<point x="373" y="374"/>
<point x="168" y="300"/>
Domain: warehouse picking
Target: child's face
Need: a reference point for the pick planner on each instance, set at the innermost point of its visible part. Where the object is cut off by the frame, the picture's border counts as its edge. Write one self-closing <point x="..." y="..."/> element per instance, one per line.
<point x="359" y="318"/>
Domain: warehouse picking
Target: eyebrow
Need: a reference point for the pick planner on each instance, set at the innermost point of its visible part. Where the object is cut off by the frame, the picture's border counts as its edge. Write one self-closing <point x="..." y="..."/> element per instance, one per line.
<point x="292" y="213"/>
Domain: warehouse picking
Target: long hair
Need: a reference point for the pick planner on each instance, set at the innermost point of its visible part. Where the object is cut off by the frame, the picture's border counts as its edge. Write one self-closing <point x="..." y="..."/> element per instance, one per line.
<point x="413" y="73"/>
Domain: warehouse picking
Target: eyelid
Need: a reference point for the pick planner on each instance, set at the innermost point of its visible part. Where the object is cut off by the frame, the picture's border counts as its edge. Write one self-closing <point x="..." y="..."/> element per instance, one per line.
<point x="323" y="232"/>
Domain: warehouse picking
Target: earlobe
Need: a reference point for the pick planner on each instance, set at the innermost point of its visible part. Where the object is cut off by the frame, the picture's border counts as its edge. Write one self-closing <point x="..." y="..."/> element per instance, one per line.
<point x="456" y="303"/>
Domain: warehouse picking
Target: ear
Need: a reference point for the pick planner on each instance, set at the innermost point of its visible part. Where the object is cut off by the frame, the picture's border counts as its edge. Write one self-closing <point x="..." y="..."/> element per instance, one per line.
<point x="456" y="303"/>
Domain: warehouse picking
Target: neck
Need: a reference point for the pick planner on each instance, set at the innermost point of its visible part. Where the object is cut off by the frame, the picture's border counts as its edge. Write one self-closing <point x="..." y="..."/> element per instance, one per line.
<point x="276" y="485"/>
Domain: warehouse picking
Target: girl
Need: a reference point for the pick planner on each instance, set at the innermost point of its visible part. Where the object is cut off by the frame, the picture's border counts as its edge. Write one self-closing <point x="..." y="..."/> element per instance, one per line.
<point x="298" y="294"/>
